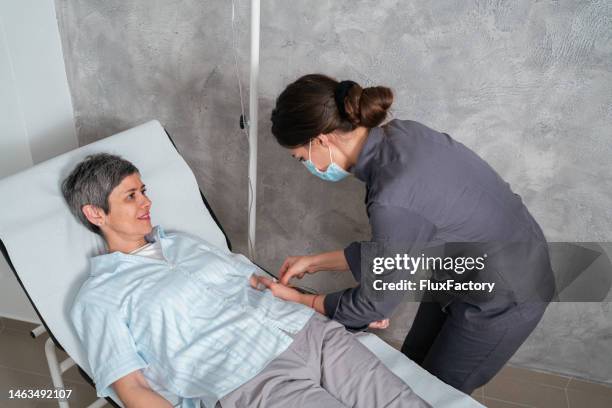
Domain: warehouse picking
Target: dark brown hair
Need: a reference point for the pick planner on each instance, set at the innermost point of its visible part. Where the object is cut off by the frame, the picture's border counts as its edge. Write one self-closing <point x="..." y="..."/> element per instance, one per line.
<point x="307" y="108"/>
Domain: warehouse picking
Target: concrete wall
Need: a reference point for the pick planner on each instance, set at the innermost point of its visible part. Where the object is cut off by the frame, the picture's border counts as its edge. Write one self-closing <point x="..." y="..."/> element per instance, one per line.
<point x="525" y="84"/>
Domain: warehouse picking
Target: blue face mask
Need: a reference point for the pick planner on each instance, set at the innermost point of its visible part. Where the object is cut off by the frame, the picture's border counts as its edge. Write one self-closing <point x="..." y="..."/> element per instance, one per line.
<point x="333" y="171"/>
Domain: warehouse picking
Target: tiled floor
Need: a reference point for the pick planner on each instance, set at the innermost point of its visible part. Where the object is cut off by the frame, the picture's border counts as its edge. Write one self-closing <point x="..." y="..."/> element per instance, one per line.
<point x="518" y="387"/>
<point x="23" y="366"/>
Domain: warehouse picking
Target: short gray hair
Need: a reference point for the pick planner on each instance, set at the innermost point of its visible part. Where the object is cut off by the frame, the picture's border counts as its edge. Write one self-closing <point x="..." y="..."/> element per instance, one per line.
<point x="92" y="181"/>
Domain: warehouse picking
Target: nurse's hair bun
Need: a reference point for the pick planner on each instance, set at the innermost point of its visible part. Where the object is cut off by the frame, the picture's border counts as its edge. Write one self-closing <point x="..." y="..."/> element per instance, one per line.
<point x="367" y="106"/>
<point x="317" y="104"/>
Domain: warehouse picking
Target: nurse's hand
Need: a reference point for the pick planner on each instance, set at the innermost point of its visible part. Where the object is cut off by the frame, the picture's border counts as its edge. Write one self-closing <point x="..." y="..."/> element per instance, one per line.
<point x="295" y="267"/>
<point x="379" y="324"/>
<point x="279" y="290"/>
<point x="298" y="266"/>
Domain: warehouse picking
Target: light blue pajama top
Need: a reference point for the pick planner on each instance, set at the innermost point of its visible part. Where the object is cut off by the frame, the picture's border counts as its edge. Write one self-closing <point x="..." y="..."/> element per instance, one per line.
<point x="192" y="322"/>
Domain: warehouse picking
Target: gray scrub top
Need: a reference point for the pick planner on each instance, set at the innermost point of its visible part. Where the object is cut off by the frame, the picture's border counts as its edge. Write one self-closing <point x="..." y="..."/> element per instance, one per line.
<point x="424" y="187"/>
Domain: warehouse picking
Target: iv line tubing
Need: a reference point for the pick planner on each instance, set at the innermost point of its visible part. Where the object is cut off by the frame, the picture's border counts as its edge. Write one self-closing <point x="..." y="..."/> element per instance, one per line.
<point x="253" y="123"/>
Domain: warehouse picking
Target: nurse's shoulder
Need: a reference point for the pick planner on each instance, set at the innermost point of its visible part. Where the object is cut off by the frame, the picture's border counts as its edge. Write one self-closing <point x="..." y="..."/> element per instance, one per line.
<point x="426" y="147"/>
<point x="416" y="132"/>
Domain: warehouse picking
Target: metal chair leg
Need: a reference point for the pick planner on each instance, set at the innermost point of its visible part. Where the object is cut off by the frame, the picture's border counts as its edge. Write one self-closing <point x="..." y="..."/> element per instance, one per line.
<point x="57" y="369"/>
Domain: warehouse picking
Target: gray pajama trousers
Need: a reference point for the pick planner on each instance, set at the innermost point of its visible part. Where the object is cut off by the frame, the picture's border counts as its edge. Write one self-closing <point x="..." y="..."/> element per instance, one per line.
<point x="324" y="367"/>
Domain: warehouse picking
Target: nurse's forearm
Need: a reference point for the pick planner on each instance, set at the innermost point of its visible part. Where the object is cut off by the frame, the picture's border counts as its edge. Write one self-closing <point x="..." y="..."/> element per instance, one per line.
<point x="329" y="261"/>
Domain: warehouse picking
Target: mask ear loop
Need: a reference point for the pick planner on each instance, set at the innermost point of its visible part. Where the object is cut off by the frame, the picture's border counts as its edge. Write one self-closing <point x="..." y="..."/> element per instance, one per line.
<point x="309" y="149"/>
<point x="310" y="157"/>
<point x="331" y="157"/>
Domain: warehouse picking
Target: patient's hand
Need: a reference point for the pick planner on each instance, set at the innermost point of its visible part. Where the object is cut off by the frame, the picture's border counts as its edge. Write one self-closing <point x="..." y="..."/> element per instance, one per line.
<point x="278" y="289"/>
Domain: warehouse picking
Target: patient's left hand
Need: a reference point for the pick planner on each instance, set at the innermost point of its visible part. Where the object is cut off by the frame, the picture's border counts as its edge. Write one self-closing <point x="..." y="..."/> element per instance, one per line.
<point x="278" y="289"/>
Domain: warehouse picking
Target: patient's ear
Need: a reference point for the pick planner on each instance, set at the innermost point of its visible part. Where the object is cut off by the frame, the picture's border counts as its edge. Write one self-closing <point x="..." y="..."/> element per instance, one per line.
<point x="94" y="214"/>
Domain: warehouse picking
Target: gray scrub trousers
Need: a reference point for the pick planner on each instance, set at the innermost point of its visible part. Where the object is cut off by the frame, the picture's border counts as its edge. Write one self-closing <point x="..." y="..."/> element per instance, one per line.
<point x="425" y="189"/>
<point x="324" y="367"/>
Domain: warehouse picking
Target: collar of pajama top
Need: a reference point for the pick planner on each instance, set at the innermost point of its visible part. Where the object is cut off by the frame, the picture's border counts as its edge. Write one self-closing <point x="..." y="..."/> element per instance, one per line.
<point x="191" y="321"/>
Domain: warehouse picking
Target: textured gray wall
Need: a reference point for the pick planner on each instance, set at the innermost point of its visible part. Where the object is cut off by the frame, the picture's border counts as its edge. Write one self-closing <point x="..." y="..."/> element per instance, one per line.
<point x="525" y="84"/>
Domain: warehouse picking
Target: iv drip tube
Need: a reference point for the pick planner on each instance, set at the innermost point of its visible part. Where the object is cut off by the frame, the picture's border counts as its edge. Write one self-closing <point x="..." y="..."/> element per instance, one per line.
<point x="252" y="125"/>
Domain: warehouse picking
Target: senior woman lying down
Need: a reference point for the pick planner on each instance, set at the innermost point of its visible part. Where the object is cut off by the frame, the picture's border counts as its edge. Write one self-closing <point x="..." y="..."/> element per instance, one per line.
<point x="171" y="319"/>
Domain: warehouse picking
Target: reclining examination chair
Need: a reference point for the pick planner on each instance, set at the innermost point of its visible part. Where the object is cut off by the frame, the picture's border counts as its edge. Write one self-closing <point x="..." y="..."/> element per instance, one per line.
<point x="49" y="250"/>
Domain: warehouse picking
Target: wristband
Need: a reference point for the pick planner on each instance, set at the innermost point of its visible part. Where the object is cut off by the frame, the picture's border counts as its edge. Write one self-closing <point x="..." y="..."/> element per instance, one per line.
<point x="313" y="301"/>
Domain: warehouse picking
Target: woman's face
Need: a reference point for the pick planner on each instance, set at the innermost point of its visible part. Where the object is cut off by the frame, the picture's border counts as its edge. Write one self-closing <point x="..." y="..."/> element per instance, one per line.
<point x="319" y="154"/>
<point x="128" y="218"/>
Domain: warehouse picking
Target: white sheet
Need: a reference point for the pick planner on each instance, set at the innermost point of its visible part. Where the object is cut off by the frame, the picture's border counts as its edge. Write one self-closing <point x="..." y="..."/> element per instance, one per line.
<point x="34" y="215"/>
<point x="427" y="386"/>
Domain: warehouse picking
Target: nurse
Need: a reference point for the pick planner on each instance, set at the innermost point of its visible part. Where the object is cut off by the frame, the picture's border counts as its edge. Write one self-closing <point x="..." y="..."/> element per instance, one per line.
<point x="423" y="188"/>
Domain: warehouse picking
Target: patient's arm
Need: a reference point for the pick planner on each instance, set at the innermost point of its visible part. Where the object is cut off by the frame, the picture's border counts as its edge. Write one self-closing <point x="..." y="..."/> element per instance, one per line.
<point x="288" y="293"/>
<point x="315" y="301"/>
<point x="134" y="392"/>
